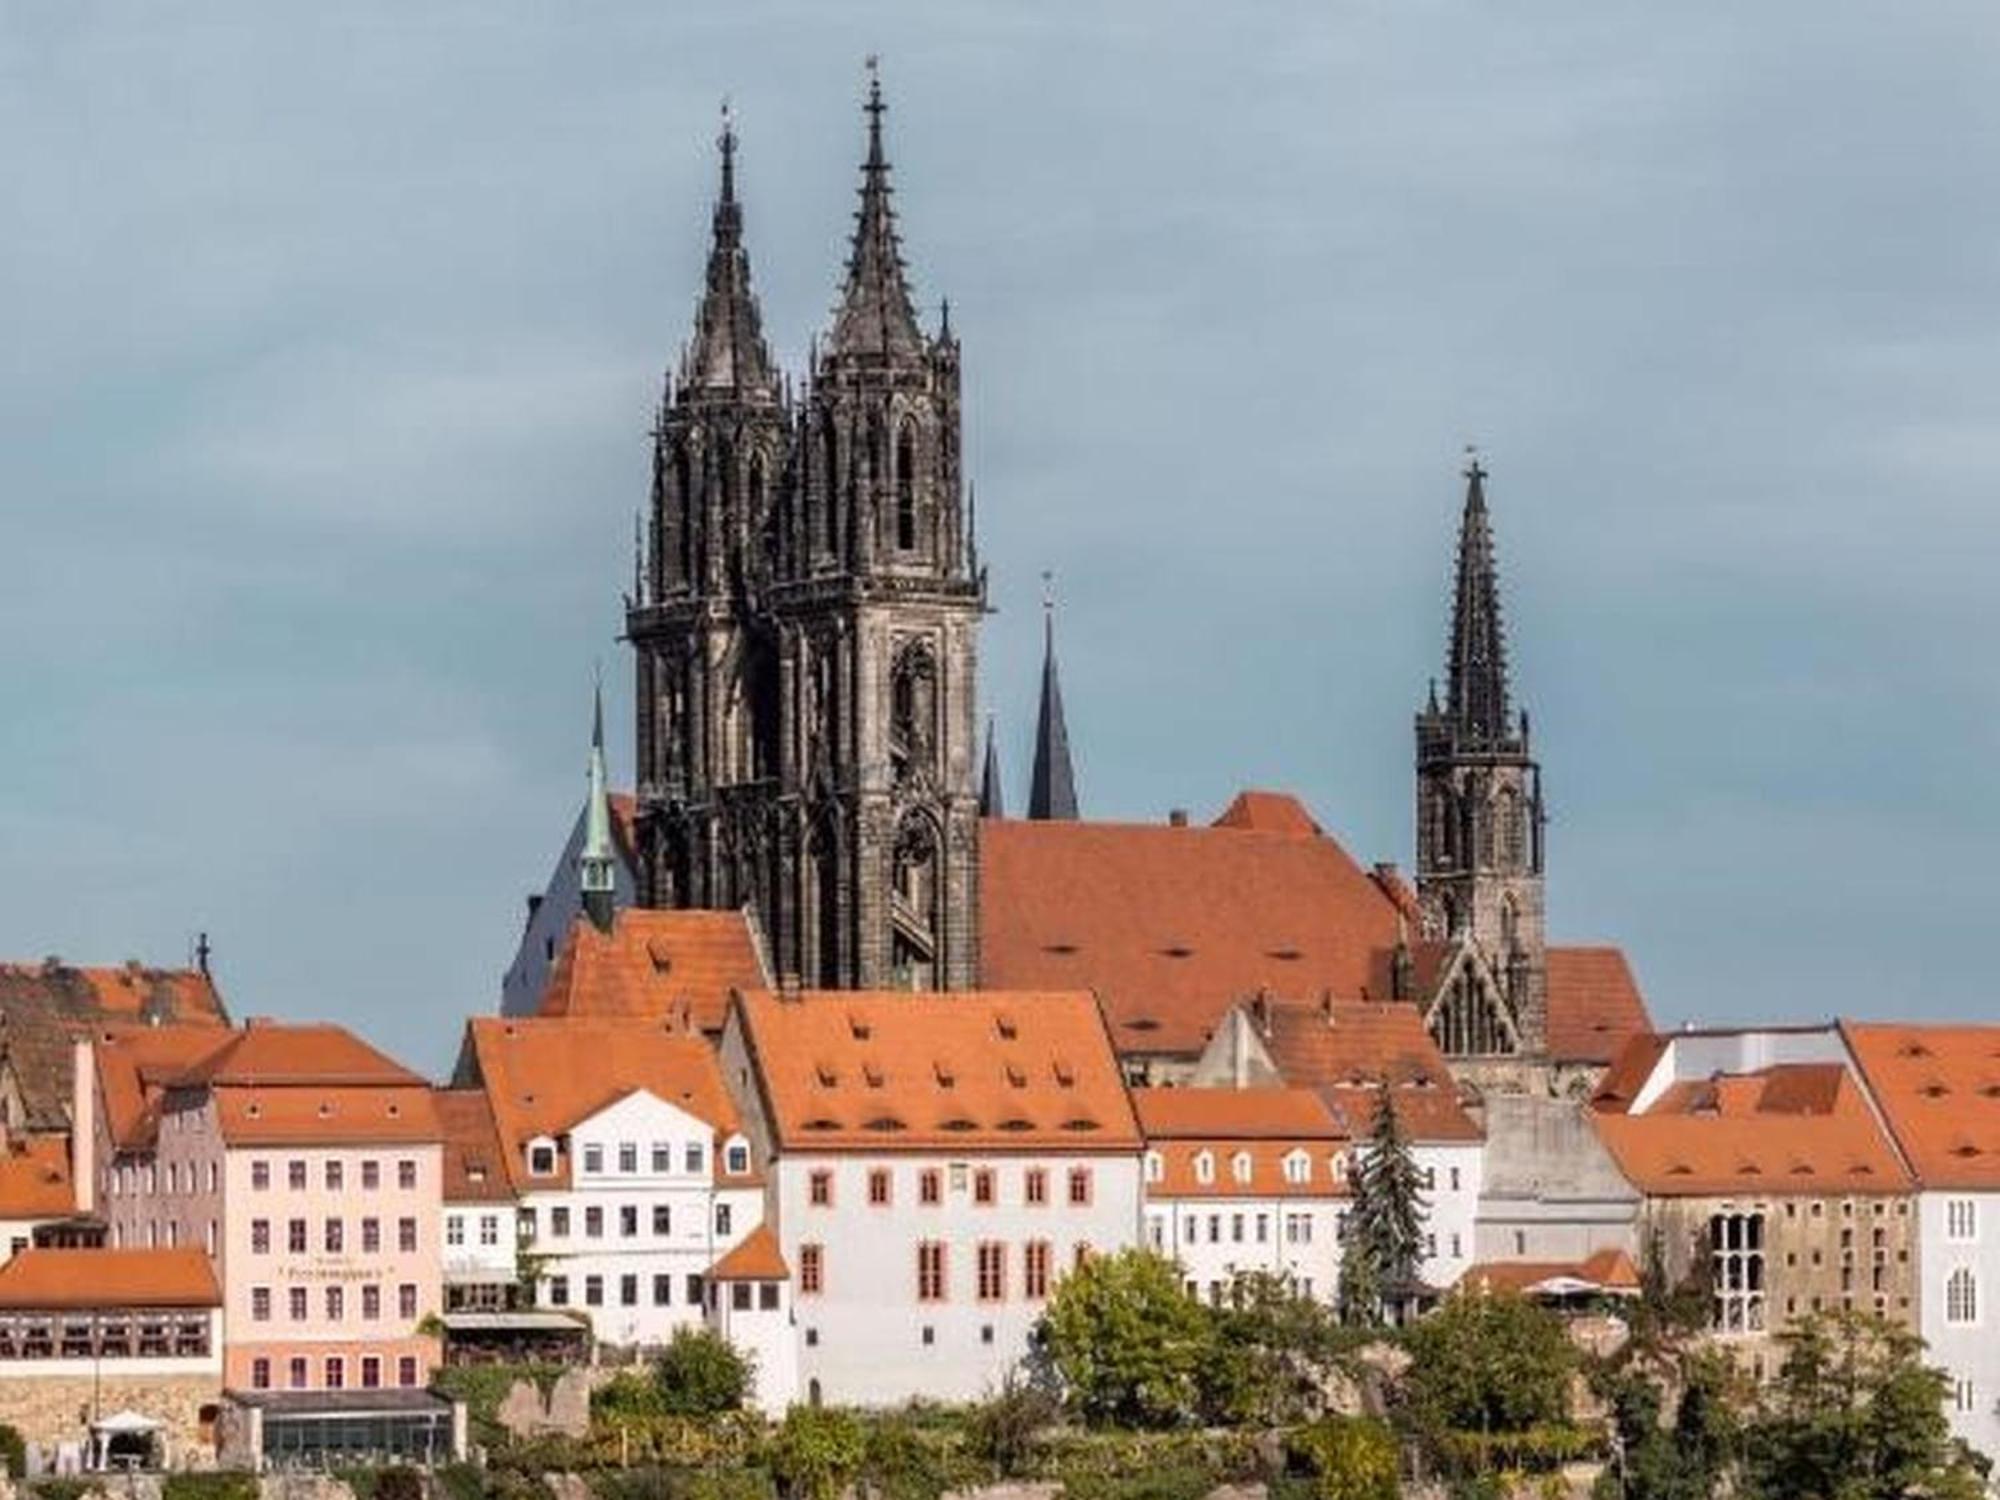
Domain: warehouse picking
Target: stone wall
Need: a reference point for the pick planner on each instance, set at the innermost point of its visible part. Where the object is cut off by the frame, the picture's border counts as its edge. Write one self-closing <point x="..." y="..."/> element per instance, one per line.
<point x="50" y="1410"/>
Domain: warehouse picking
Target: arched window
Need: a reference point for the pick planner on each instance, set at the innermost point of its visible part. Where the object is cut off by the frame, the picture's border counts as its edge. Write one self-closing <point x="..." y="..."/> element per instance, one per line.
<point x="1961" y="1297"/>
<point x="1513" y="832"/>
<point x="1239" y="1166"/>
<point x="1204" y="1166"/>
<point x="1156" y="1168"/>
<point x="1510" y="923"/>
<point x="906" y="488"/>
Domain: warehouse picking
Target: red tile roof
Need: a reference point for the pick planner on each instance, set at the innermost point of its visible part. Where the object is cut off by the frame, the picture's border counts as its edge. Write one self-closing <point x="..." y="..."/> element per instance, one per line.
<point x="1246" y="1134"/>
<point x="1797" y="1128"/>
<point x="270" y="1054"/>
<point x="887" y="1070"/>
<point x="1939" y="1089"/>
<point x="1609" y="1271"/>
<point x="1347" y="1048"/>
<point x="475" y="1164"/>
<point x="34" y="1179"/>
<point x="1170" y="926"/>
<point x="134" y="1066"/>
<point x="756" y="1258"/>
<point x="544" y="1074"/>
<point x="1595" y="1006"/>
<point x="678" y="966"/>
<point x="49" y="1279"/>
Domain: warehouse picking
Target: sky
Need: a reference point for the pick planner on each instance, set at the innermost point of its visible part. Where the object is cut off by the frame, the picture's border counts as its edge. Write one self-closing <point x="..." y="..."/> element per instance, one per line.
<point x="332" y="335"/>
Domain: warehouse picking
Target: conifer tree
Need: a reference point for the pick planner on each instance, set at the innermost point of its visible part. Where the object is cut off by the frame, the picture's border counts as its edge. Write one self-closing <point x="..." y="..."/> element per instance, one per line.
<point x="1385" y="1226"/>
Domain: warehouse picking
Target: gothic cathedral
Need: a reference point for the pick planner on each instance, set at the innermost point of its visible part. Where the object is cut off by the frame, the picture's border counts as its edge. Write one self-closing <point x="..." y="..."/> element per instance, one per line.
<point x="806" y="623"/>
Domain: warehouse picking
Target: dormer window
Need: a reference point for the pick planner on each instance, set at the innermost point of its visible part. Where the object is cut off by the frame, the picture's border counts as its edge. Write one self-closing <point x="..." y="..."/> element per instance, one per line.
<point x="1298" y="1167"/>
<point x="1204" y="1166"/>
<point x="737" y="1158"/>
<point x="542" y="1159"/>
<point x="1156" y="1167"/>
<point x="1239" y="1166"/>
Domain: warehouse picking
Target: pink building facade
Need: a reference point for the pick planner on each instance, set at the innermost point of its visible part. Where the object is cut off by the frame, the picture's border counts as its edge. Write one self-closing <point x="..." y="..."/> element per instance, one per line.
<point x="308" y="1167"/>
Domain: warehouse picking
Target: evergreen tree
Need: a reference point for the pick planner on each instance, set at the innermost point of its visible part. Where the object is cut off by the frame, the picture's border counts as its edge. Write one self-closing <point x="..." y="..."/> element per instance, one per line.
<point x="1385" y="1225"/>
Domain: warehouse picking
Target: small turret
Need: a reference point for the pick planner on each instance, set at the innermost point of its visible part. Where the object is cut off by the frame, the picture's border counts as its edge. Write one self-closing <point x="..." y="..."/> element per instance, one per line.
<point x="596" y="860"/>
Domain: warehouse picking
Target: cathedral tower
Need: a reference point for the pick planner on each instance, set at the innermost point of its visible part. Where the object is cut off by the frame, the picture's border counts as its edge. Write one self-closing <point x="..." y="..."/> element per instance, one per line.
<point x="807" y="730"/>
<point x="1479" y="813"/>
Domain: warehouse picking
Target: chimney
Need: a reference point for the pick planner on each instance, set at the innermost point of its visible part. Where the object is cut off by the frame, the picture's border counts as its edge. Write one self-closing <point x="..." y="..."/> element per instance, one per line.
<point x="83" y="1125"/>
<point x="1177" y="817"/>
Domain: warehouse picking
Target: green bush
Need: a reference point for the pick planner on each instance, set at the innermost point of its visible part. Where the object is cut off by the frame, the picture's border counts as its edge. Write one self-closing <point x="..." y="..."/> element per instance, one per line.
<point x="1003" y="1431"/>
<point x="913" y="1455"/>
<point x="13" y="1452"/>
<point x="483" y="1387"/>
<point x="221" y="1484"/>
<point x="701" y="1373"/>
<point x="58" y="1489"/>
<point x="817" y="1450"/>
<point x="1349" y="1458"/>
<point x="460" y="1481"/>
<point x="1128" y="1342"/>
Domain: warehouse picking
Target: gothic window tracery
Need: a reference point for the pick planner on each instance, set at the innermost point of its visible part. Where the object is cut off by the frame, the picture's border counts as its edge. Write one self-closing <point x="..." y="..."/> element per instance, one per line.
<point x="1467" y="1020"/>
<point x="906" y="488"/>
<point x="1513" y="832"/>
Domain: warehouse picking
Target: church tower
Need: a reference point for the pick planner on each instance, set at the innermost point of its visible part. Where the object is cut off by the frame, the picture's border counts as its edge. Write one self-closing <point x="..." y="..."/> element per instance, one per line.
<point x="707" y="686"/>
<point x="807" y="628"/>
<point x="1479" y="812"/>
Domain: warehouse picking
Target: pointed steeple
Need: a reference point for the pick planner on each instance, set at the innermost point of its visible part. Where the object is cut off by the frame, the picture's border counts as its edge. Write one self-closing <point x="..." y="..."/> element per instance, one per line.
<point x="728" y="353"/>
<point x="875" y="315"/>
<point x="1052" y="793"/>
<point x="1476" y="684"/>
<point x="596" y="870"/>
<point x="991" y="802"/>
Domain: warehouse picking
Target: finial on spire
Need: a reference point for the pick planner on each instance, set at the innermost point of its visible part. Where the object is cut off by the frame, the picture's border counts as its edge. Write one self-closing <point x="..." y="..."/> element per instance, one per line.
<point x="1052" y="788"/>
<point x="1476" y="679"/>
<point x="726" y="143"/>
<point x="596" y="876"/>
<point x="992" y="803"/>
<point x="875" y="316"/>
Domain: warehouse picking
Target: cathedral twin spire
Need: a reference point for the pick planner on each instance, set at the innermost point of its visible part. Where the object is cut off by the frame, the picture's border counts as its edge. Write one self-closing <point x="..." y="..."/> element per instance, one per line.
<point x="875" y="315"/>
<point x="727" y="353"/>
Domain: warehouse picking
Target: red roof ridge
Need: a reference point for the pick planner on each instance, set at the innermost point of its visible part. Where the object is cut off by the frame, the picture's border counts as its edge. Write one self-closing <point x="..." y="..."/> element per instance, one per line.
<point x="756" y="1257"/>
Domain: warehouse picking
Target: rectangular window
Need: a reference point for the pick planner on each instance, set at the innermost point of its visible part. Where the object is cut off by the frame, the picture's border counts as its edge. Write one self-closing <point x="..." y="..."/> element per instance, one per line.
<point x="628" y="1156"/>
<point x="371" y="1236"/>
<point x="336" y="1372"/>
<point x="371" y="1175"/>
<point x="406" y="1235"/>
<point x="628" y="1291"/>
<point x="663" y="1219"/>
<point x="1079" y="1187"/>
<point x="454" y="1229"/>
<point x="559" y="1223"/>
<point x="260" y="1236"/>
<point x="334" y="1176"/>
<point x="1035" y="1189"/>
<point x="371" y="1371"/>
<point x="295" y="1175"/>
<point x="1961" y="1219"/>
<point x="694" y="1291"/>
<point x="593" y="1159"/>
<point x="930" y="1271"/>
<point x="489" y="1229"/>
<point x="371" y="1302"/>
<point x="260" y="1179"/>
<point x="982" y="1187"/>
<point x="1236" y="1229"/>
<point x="767" y="1296"/>
<point x="558" y="1291"/>
<point x="260" y="1304"/>
<point x="878" y="1187"/>
<point x="335" y="1236"/>
<point x="663" y="1158"/>
<point x="739" y="1296"/>
<point x="930" y="1187"/>
<point x="819" y="1189"/>
<point x="812" y="1269"/>
<point x="628" y="1220"/>
<point x="406" y="1300"/>
<point x="406" y="1175"/>
<point x="663" y="1290"/>
<point x="406" y="1370"/>
<point x="295" y="1236"/>
<point x="992" y="1271"/>
<point x="336" y="1303"/>
<point x="1035" y="1270"/>
<point x="722" y="1219"/>
<point x="593" y="1223"/>
<point x="696" y="1157"/>
<point x="260" y="1374"/>
<point x="593" y="1291"/>
<point x="295" y="1373"/>
<point x="295" y="1303"/>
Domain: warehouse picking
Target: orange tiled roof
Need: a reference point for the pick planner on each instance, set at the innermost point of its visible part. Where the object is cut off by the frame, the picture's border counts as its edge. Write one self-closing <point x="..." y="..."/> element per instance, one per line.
<point x="757" y="1258"/>
<point x="1171" y="926"/>
<point x="475" y="1165"/>
<point x="1628" y="1072"/>
<point x="1594" y="1004"/>
<point x="38" y="1279"/>
<point x="1247" y="1134"/>
<point x="1797" y="1128"/>
<point x="336" y="1114"/>
<point x="266" y="1053"/>
<point x="34" y="1179"/>
<point x="1348" y="1048"/>
<point x="1939" y="1088"/>
<point x="543" y="1074"/>
<point x="657" y="965"/>
<point x="887" y="1070"/>
<point x="1608" y="1270"/>
<point x="134" y="1066"/>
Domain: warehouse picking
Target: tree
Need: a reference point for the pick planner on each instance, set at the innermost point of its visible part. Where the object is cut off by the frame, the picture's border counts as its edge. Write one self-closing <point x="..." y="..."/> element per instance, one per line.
<point x="1488" y="1373"/>
<point x="1003" y="1428"/>
<point x="1385" y="1222"/>
<point x="1275" y="1350"/>
<point x="1690" y="1459"/>
<point x="702" y="1374"/>
<point x="1855" y="1414"/>
<point x="1350" y="1458"/>
<point x="817" y="1450"/>
<point x="1127" y="1342"/>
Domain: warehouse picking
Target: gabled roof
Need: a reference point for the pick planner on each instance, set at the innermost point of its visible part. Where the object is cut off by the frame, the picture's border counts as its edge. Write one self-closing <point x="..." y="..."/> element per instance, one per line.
<point x="1939" y="1089"/>
<point x="50" y="1279"/>
<point x="1605" y="1272"/>
<point x="135" y="1065"/>
<point x="1346" y="1049"/>
<point x="1260" y="1128"/>
<point x="1594" y="1004"/>
<point x="1169" y="925"/>
<point x="756" y="1258"/>
<point x="266" y="1054"/>
<point x="35" y="1180"/>
<point x="542" y="1076"/>
<point x="46" y="1007"/>
<point x="1794" y="1128"/>
<point x="889" y="1070"/>
<point x="1268" y="812"/>
<point x="475" y="1165"/>
<point x="675" y="966"/>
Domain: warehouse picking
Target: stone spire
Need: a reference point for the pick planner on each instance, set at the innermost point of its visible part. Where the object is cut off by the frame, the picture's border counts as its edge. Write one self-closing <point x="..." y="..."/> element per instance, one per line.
<point x="992" y="804"/>
<point x="1052" y="793"/>
<point x="727" y="354"/>
<point x="595" y="861"/>
<point x="1476" y="685"/>
<point x="875" y="315"/>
